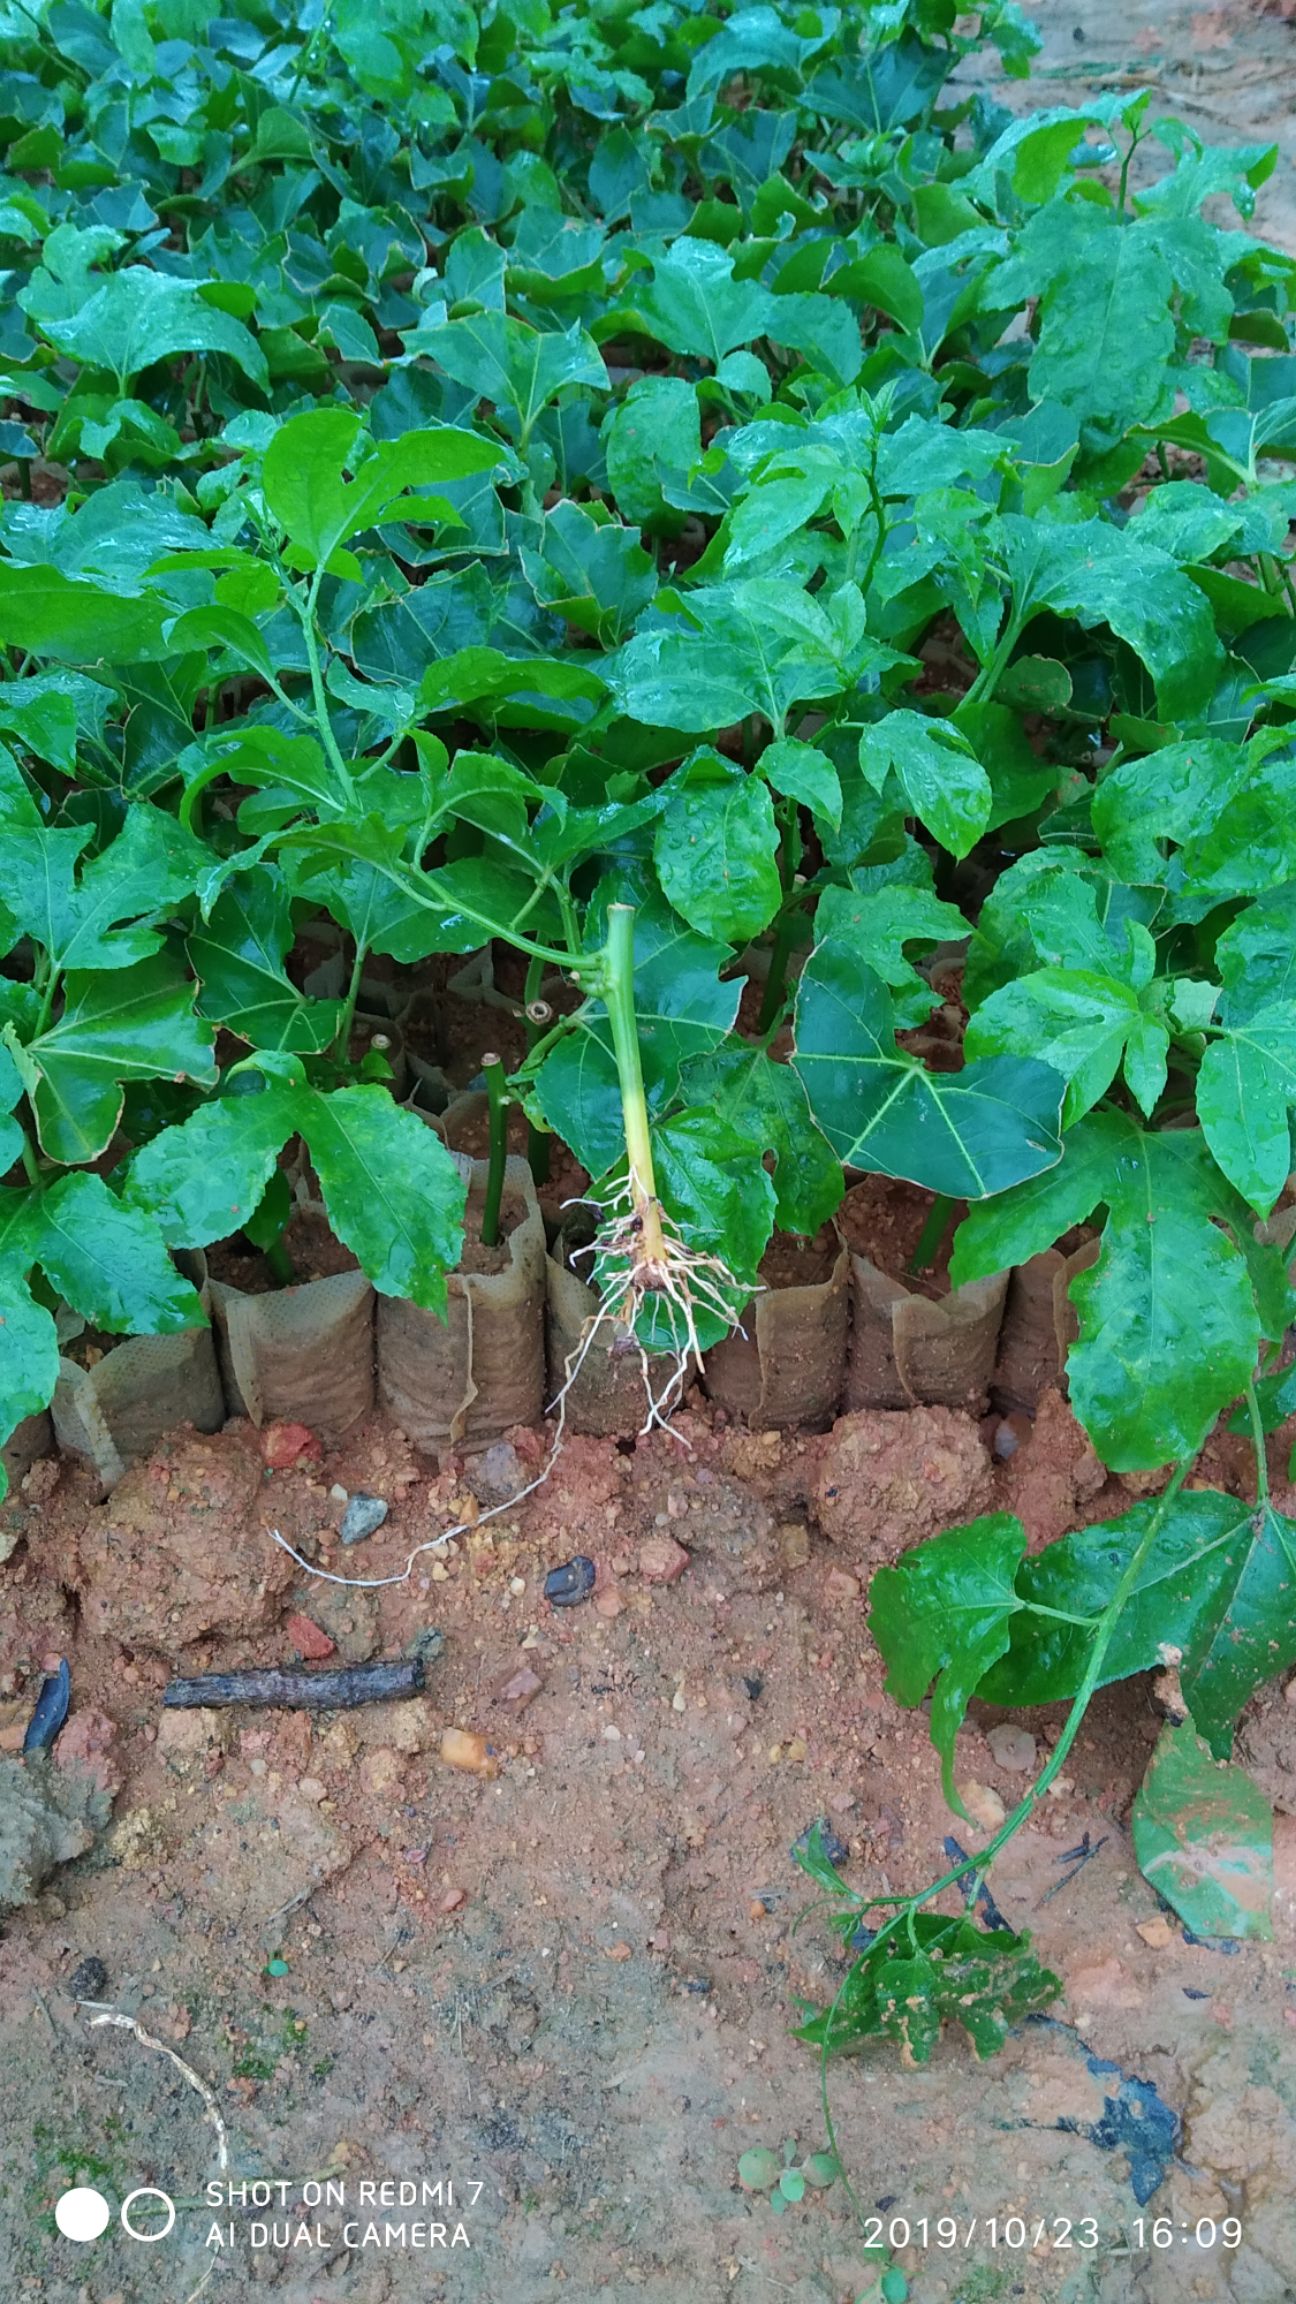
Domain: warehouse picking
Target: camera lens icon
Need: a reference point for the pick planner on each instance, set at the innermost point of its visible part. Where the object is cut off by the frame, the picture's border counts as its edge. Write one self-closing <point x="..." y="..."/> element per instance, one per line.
<point x="144" y="2231"/>
<point x="82" y="2214"/>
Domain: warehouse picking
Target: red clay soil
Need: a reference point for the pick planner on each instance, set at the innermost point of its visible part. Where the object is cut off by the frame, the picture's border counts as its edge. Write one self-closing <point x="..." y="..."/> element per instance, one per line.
<point x="569" y="1978"/>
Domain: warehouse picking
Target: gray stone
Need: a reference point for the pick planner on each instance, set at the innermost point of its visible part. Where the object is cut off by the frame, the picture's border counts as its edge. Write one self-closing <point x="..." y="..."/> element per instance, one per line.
<point x="363" y="1515"/>
<point x="1014" y="1749"/>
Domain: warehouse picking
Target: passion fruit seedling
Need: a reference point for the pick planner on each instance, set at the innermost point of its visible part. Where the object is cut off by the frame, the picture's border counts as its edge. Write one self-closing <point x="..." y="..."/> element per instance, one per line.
<point x="654" y="1286"/>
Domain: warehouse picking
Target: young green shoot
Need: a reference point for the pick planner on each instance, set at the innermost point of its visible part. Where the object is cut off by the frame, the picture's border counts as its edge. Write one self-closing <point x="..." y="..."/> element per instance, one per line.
<point x="498" y="1106"/>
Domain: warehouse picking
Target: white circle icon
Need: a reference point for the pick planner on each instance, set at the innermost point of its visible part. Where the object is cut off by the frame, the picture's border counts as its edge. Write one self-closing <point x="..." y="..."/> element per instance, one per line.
<point x="82" y="2213"/>
<point x="148" y="2192"/>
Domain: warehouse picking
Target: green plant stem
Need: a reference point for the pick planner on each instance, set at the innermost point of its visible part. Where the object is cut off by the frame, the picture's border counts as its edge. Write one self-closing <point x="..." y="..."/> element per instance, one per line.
<point x="306" y="58"/>
<point x="538" y="1140"/>
<point x="306" y="617"/>
<point x="932" y="1234"/>
<point x="988" y="678"/>
<point x="977" y="1866"/>
<point x="30" y="1161"/>
<point x="498" y="1101"/>
<point x="279" y="1263"/>
<point x="785" y="932"/>
<point x="49" y="993"/>
<point x="618" y="994"/>
<point x="346" y="1022"/>
<point x="1258" y="1443"/>
<point x="775" y="993"/>
<point x="1104" y="1632"/>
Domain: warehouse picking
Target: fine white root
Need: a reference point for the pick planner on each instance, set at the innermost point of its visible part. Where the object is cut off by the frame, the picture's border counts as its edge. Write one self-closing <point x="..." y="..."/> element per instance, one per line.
<point x="124" y="2023"/>
<point x="686" y="1279"/>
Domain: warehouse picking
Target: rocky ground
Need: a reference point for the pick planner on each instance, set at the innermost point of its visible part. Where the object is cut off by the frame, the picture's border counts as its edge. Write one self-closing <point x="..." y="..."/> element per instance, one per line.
<point x="565" y="1972"/>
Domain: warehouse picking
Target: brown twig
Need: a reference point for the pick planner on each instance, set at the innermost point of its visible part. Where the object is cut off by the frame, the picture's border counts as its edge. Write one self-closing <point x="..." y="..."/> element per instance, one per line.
<point x="336" y="1691"/>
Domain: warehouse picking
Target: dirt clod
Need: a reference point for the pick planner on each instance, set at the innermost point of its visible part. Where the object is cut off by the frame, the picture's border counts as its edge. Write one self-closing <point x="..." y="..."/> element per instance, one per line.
<point x="48" y="1815"/>
<point x="283" y="1445"/>
<point x="890" y="1477"/>
<point x="89" y="1979"/>
<point x="662" y="1560"/>
<point x="1052" y="1477"/>
<point x="175" y="1556"/>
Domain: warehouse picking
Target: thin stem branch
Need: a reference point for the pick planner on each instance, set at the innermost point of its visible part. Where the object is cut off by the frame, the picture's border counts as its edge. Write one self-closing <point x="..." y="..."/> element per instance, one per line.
<point x="1258" y="1443"/>
<point x="342" y="1037"/>
<point x="498" y="1101"/>
<point x="306" y="617"/>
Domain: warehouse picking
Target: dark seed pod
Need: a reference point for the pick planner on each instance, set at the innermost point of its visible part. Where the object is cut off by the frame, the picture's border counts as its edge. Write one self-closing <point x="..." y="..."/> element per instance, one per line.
<point x="51" y="1709"/>
<point x="567" y="1586"/>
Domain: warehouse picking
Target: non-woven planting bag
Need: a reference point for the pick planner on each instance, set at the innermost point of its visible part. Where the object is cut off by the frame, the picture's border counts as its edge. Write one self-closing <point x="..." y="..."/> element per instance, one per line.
<point x="788" y="1366"/>
<point x="1040" y="1325"/>
<point x="302" y="1354"/>
<point x="462" y="1381"/>
<point x="118" y="1405"/>
<point x="27" y="1442"/>
<point x="607" y="1396"/>
<point x="913" y="1339"/>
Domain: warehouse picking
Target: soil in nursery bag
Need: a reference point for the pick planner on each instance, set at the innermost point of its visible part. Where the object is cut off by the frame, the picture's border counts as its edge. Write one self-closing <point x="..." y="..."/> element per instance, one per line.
<point x="913" y="1338"/>
<point x="465" y="1125"/>
<point x="464" y="1380"/>
<point x="117" y="1395"/>
<point x="298" y="1354"/>
<point x="28" y="1441"/>
<point x="787" y="1368"/>
<point x="608" y="1393"/>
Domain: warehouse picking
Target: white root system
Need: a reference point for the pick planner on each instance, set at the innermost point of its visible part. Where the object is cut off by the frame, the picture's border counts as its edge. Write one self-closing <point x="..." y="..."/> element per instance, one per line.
<point x="688" y="1280"/>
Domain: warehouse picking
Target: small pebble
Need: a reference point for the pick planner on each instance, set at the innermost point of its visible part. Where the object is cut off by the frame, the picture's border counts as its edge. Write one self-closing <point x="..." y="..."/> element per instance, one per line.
<point x="983" y="1805"/>
<point x="567" y="1586"/>
<point x="464" y="1749"/>
<point x="89" y="1979"/>
<point x="309" y="1639"/>
<point x="1156" y="1932"/>
<point x="338" y="1494"/>
<point x="1013" y="1749"/>
<point x="518" y="1687"/>
<point x="662" y="1560"/>
<point x="1009" y="1435"/>
<point x="428" y="1644"/>
<point x="454" y="1899"/>
<point x="499" y="1472"/>
<point x="362" y="1516"/>
<point x="517" y="1586"/>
